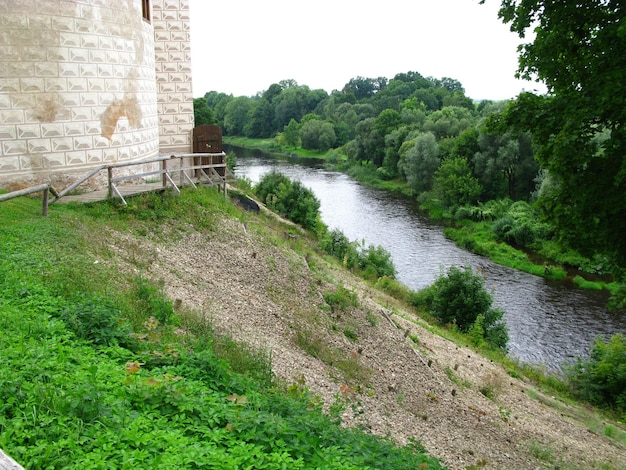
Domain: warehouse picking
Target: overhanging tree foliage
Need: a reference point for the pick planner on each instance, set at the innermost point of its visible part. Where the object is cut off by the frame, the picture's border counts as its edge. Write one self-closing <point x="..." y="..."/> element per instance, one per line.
<point x="202" y="114"/>
<point x="579" y="52"/>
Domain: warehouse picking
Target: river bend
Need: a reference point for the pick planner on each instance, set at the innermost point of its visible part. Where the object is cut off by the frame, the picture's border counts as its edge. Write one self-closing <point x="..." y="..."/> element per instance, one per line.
<point x="550" y="323"/>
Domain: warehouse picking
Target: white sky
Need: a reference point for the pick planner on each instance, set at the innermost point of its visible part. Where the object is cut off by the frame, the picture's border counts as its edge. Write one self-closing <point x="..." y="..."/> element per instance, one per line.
<point x="243" y="46"/>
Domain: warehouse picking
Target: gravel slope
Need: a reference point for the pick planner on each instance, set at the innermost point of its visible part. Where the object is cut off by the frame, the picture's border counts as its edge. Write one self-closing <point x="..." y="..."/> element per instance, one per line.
<point x="244" y="277"/>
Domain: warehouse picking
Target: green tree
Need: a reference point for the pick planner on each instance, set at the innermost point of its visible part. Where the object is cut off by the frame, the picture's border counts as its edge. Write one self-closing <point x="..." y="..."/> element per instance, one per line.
<point x="578" y="53"/>
<point x="459" y="297"/>
<point x="393" y="142"/>
<point x="387" y="121"/>
<point x="384" y="123"/>
<point x="505" y="164"/>
<point x="272" y="92"/>
<point x="290" y="198"/>
<point x="259" y="119"/>
<point x="429" y="98"/>
<point x="455" y="184"/>
<point x="449" y="121"/>
<point x="294" y="102"/>
<point x="466" y="144"/>
<point x="362" y="87"/>
<point x="450" y="84"/>
<point x="291" y="133"/>
<point x="218" y="102"/>
<point x="202" y="114"/>
<point x="369" y="141"/>
<point x="457" y="98"/>
<point x="345" y="112"/>
<point x="420" y="162"/>
<point x="601" y="379"/>
<point x="317" y="135"/>
<point x="236" y="115"/>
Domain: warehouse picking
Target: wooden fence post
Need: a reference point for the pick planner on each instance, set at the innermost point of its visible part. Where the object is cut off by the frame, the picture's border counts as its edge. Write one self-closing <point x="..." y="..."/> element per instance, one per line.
<point x="44" y="201"/>
<point x="110" y="175"/>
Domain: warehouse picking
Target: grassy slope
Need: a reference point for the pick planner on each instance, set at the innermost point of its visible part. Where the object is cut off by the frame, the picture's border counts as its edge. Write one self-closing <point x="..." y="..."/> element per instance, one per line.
<point x="98" y="371"/>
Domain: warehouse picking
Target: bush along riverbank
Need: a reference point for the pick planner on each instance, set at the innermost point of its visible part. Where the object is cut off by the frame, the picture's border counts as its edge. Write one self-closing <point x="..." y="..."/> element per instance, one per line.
<point x="509" y="233"/>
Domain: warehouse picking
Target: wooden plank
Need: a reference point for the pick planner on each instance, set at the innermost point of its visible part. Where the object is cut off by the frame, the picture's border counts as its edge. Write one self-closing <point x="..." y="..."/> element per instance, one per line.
<point x="101" y="194"/>
<point x="169" y="178"/>
<point x="44" y="188"/>
<point x="114" y="188"/>
<point x="137" y="176"/>
<point x="24" y="192"/>
<point x="7" y="463"/>
<point x="77" y="183"/>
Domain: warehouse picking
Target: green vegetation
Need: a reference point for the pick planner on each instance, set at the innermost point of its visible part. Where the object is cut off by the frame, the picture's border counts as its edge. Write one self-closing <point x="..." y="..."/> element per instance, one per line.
<point x="300" y="205"/>
<point x="578" y="126"/>
<point x="535" y="183"/>
<point x="291" y="199"/>
<point x="601" y="379"/>
<point x="99" y="370"/>
<point x="480" y="238"/>
<point x="341" y="299"/>
<point x="459" y="298"/>
<point x="371" y="262"/>
<point x="452" y="376"/>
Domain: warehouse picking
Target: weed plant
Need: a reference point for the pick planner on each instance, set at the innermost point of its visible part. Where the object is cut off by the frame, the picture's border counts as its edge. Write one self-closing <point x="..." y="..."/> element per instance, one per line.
<point x="371" y="262"/>
<point x="98" y="371"/>
<point x="341" y="299"/>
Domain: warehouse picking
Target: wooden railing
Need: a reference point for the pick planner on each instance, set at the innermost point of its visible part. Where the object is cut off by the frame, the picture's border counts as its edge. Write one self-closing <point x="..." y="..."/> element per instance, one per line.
<point x="7" y="463"/>
<point x="204" y="167"/>
<point x="43" y="188"/>
<point x="78" y="182"/>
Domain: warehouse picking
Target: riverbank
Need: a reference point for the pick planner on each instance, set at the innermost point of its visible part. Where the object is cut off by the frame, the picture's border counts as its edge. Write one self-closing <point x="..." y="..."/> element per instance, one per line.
<point x="476" y="237"/>
<point x="374" y="365"/>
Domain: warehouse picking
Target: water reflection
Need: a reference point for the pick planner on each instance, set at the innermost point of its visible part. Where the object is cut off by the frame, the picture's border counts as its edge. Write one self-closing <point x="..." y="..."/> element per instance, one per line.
<point x="549" y="322"/>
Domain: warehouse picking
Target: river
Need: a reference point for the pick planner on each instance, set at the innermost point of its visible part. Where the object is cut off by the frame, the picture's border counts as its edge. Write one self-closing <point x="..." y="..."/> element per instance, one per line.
<point x="550" y="323"/>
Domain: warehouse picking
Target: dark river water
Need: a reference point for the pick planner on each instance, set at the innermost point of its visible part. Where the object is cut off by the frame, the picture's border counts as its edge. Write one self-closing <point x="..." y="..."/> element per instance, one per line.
<point x="550" y="323"/>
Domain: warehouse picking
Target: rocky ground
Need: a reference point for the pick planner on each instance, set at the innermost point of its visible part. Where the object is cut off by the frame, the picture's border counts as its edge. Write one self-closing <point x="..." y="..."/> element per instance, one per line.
<point x="395" y="376"/>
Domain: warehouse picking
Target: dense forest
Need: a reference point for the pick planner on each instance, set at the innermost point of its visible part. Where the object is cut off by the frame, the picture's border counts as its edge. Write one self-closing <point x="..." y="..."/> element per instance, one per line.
<point x="547" y="172"/>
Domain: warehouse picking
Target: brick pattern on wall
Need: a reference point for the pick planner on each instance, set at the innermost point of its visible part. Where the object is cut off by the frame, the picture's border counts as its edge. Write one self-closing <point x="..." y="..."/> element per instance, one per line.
<point x="172" y="44"/>
<point x="63" y="67"/>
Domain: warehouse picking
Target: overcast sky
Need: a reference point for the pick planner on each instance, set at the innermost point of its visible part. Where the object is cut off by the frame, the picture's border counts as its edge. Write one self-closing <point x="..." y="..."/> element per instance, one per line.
<point x="243" y="46"/>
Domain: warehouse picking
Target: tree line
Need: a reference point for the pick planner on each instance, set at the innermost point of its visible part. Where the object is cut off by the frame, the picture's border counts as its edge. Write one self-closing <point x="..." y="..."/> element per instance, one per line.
<point x="404" y="128"/>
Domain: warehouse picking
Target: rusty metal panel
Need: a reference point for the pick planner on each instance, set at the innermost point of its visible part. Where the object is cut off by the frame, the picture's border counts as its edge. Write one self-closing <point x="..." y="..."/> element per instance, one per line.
<point x="207" y="138"/>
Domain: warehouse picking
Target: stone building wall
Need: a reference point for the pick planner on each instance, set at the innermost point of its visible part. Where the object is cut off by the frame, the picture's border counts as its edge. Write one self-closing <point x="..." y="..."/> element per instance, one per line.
<point x="80" y="85"/>
<point x="170" y="19"/>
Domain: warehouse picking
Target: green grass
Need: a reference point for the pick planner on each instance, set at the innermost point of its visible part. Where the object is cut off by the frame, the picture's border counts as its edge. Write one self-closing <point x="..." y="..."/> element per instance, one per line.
<point x="585" y="284"/>
<point x="94" y="372"/>
<point x="479" y="238"/>
<point x="453" y="377"/>
<point x="271" y="147"/>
